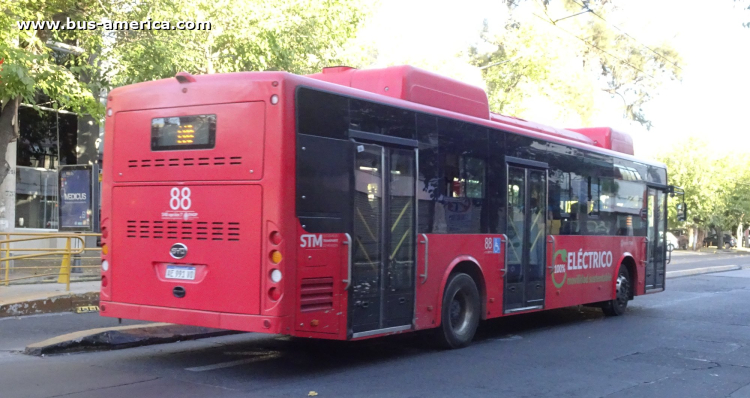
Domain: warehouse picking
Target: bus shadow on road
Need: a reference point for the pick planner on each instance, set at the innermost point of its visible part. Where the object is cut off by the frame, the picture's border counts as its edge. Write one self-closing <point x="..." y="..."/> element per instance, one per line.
<point x="528" y="323"/>
<point x="284" y="356"/>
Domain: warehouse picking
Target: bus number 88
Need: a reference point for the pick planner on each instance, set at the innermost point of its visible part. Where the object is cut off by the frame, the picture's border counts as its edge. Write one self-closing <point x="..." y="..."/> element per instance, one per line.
<point x="180" y="199"/>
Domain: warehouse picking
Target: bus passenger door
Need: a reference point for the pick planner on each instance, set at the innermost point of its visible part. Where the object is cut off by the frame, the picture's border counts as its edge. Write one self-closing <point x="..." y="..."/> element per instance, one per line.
<point x="656" y="244"/>
<point x="526" y="230"/>
<point x="383" y="240"/>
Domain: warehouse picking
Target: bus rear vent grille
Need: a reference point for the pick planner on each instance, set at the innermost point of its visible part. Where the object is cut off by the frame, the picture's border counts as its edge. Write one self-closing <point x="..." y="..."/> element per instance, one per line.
<point x="184" y="230"/>
<point x="207" y="161"/>
<point x="316" y="294"/>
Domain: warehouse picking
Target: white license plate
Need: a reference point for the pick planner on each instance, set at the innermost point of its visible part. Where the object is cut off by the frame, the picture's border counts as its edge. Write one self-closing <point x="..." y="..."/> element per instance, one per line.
<point x="177" y="272"/>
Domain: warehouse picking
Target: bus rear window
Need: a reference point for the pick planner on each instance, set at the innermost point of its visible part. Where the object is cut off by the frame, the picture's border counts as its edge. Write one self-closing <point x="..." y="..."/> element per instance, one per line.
<point x="183" y="132"/>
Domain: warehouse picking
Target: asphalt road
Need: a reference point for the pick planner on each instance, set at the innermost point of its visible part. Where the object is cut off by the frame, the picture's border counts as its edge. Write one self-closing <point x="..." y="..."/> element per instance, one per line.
<point x="691" y="341"/>
<point x="685" y="259"/>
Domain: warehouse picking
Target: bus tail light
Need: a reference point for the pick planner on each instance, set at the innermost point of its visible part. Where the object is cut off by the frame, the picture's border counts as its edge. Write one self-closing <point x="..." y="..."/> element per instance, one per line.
<point x="105" y="265"/>
<point x="275" y="256"/>
<point x="104" y="281"/>
<point x="105" y="249"/>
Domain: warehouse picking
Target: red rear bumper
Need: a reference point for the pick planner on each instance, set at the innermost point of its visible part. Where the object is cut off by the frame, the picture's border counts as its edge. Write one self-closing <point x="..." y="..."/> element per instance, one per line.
<point x="218" y="320"/>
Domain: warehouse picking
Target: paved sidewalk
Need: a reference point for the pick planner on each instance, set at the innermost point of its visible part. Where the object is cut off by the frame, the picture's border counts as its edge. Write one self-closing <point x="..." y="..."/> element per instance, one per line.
<point x="16" y="300"/>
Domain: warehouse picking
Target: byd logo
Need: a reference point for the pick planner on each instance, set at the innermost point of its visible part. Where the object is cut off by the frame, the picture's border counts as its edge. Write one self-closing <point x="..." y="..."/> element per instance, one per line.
<point x="178" y="251"/>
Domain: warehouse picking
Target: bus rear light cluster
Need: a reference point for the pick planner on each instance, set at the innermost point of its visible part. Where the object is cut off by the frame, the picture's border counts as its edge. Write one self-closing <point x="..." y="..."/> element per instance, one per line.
<point x="274" y="274"/>
<point x="105" y="265"/>
<point x="274" y="99"/>
<point x="104" y="281"/>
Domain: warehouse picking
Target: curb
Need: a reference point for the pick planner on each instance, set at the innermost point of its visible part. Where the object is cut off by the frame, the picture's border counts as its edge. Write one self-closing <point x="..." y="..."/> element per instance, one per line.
<point x="61" y="303"/>
<point x="706" y="270"/>
<point x="120" y="337"/>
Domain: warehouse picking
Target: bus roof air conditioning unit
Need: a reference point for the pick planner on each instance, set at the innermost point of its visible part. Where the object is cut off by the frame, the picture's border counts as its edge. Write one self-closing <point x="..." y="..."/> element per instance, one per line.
<point x="414" y="85"/>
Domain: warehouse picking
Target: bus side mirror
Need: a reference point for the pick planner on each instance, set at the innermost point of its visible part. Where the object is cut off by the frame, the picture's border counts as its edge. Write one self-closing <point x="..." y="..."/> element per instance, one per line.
<point x="681" y="212"/>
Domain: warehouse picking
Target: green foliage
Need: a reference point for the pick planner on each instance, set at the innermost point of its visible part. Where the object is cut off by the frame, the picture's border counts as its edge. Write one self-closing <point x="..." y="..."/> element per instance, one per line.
<point x="717" y="186"/>
<point x="565" y="59"/>
<point x="30" y="67"/>
<point x="248" y="35"/>
<point x="744" y="5"/>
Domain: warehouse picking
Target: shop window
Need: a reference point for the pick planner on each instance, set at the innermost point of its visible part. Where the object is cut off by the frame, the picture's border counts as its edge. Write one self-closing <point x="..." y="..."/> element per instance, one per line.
<point x="47" y="139"/>
<point x="36" y="198"/>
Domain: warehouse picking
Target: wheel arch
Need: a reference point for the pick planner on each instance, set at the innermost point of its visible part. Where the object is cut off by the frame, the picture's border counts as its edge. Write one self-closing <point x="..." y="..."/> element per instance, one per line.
<point x="629" y="262"/>
<point x="470" y="266"/>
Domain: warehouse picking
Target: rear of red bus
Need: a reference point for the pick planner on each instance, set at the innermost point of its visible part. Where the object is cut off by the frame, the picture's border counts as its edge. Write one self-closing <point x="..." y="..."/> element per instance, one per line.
<point x="193" y="196"/>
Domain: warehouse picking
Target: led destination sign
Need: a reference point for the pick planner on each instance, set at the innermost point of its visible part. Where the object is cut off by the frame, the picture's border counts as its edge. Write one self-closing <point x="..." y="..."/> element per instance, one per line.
<point x="183" y="132"/>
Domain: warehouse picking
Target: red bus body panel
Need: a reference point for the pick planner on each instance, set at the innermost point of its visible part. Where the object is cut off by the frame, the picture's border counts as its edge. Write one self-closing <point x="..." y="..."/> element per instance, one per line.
<point x="224" y="248"/>
<point x="232" y="158"/>
<point x="583" y="279"/>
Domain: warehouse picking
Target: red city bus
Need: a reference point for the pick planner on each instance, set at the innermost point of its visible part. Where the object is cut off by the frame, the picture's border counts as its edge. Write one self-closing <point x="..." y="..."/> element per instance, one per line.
<point x="358" y="203"/>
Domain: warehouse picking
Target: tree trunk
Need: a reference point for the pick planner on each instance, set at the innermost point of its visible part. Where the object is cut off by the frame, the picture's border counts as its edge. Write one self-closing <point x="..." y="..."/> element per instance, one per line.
<point x="8" y="132"/>
<point x="739" y="236"/>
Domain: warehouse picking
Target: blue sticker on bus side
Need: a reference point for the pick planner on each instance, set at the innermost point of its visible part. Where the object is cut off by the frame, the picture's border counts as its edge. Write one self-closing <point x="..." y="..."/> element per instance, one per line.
<point x="496" y="245"/>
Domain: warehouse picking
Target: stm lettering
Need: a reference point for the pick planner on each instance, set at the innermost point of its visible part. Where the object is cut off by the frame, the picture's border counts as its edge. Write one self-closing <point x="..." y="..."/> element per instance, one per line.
<point x="310" y="240"/>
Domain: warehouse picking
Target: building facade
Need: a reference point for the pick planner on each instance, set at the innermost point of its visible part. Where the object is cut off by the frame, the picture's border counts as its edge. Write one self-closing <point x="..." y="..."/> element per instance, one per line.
<point x="48" y="139"/>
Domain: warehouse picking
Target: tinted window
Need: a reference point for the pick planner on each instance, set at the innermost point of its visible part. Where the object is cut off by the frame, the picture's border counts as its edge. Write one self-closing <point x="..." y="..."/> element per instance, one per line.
<point x="382" y="119"/>
<point x="463" y="159"/>
<point x="496" y="181"/>
<point x="37" y="143"/>
<point x="322" y="114"/>
<point x="324" y="183"/>
<point x="525" y="147"/>
<point x="429" y="186"/>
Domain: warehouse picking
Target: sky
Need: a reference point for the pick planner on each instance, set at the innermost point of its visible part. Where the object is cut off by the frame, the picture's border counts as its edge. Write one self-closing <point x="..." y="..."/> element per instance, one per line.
<point x="709" y="102"/>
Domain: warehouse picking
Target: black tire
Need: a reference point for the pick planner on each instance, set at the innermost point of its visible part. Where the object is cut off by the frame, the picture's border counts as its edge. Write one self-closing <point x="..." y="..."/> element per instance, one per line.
<point x="460" y="314"/>
<point x="727" y="245"/>
<point x="617" y="306"/>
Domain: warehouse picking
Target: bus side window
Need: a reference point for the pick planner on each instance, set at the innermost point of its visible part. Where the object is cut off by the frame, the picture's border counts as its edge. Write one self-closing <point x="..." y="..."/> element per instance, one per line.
<point x="382" y="119"/>
<point x="429" y="187"/>
<point x="323" y="179"/>
<point x="463" y="149"/>
<point x="322" y="114"/>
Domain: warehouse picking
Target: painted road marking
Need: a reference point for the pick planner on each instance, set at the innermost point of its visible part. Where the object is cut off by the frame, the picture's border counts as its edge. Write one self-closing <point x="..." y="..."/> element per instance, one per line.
<point x="238" y="362"/>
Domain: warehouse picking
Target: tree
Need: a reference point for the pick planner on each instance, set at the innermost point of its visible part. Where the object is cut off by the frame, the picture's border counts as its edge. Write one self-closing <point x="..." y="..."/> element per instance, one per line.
<point x="744" y="5"/>
<point x="30" y="67"/>
<point x="247" y="35"/>
<point x="717" y="188"/>
<point x="551" y="50"/>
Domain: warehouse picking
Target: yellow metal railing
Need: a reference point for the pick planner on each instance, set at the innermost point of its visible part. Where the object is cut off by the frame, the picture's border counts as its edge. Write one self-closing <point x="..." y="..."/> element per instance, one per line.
<point x="63" y="274"/>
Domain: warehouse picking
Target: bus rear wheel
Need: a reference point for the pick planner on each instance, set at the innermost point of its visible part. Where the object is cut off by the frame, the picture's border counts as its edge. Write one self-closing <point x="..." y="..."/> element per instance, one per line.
<point x="460" y="314"/>
<point x="617" y="306"/>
